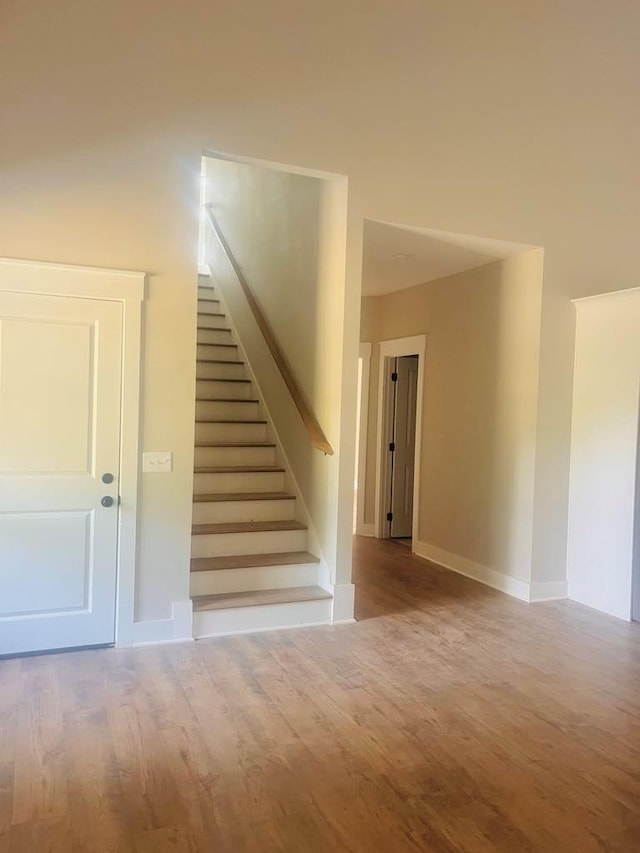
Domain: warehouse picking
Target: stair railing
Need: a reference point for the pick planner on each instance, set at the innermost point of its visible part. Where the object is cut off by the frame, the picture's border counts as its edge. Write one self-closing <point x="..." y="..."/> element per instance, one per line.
<point x="316" y="435"/>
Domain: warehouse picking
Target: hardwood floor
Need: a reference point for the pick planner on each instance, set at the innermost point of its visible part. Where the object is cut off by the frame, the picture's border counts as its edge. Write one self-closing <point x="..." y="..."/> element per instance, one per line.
<point x="449" y="718"/>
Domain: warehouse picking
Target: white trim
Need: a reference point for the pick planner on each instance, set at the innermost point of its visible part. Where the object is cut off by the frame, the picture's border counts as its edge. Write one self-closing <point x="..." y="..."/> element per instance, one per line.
<point x="154" y="632"/>
<point x="581" y="299"/>
<point x="522" y="590"/>
<point x="127" y="288"/>
<point x="275" y="165"/>
<point x="477" y="572"/>
<point x="547" y="591"/>
<point x="177" y="629"/>
<point x="129" y="471"/>
<point x="368" y="529"/>
<point x="343" y="603"/>
<point x="415" y="345"/>
<point x="261" y="630"/>
<point x="364" y="354"/>
<point x="69" y="280"/>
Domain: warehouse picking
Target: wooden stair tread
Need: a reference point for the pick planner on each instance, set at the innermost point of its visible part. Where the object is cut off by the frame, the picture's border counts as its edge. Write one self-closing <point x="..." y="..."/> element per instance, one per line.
<point x="205" y="529"/>
<point x="240" y="469"/>
<point x="235" y="444"/>
<point x="288" y="595"/>
<point x="209" y="329"/>
<point x="215" y="497"/>
<point x="215" y="360"/>
<point x="223" y="380"/>
<point x="251" y="561"/>
<point x="223" y="399"/>
<point x="210" y="313"/>
<point x="226" y="421"/>
<point x="227" y="346"/>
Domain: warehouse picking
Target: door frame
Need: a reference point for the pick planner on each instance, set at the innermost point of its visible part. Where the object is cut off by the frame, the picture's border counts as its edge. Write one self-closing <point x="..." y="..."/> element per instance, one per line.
<point x="127" y="288"/>
<point x="635" y="558"/>
<point x="395" y="348"/>
<point x="364" y="355"/>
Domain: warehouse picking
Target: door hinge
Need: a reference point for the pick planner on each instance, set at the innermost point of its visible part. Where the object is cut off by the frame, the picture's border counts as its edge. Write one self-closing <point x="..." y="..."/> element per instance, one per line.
<point x="394" y="376"/>
<point x="389" y="516"/>
<point x="392" y="446"/>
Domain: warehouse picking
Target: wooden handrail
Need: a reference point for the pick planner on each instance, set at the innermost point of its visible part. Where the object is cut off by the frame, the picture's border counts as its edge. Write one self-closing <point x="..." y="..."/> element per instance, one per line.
<point x="318" y="438"/>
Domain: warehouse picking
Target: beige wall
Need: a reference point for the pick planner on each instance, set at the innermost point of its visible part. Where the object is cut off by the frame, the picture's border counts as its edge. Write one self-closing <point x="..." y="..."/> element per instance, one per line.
<point x="287" y="232"/>
<point x="480" y="404"/>
<point x="513" y="122"/>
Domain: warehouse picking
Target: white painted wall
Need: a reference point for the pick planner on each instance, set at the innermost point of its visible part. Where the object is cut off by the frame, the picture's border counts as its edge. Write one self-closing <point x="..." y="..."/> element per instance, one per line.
<point x="604" y="452"/>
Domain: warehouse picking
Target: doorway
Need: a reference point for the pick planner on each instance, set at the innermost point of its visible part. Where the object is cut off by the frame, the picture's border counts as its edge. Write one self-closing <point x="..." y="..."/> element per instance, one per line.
<point x="400" y="395"/>
<point x="402" y="446"/>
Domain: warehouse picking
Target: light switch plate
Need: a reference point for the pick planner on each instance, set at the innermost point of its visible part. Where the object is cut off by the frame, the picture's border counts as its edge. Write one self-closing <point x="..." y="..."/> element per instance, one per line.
<point x="159" y="461"/>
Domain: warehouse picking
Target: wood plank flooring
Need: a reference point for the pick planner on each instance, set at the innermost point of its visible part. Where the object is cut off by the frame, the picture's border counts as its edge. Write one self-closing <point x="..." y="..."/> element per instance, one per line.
<point x="449" y="718"/>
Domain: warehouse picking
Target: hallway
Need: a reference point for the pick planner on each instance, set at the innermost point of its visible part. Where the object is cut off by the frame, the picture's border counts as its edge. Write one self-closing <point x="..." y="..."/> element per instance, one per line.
<point x="449" y="718"/>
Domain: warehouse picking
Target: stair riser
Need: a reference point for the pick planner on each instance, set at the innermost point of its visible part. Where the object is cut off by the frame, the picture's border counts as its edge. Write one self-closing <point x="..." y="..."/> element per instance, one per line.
<point x="208" y="306"/>
<point x="215" y="336"/>
<point x="215" y="390"/>
<point x="218" y="512"/>
<point x="247" y="620"/>
<point x="219" y="353"/>
<point x="211" y="321"/>
<point x="215" y="410"/>
<point x="205" y="370"/>
<point x="212" y="457"/>
<point x="255" y="578"/>
<point x="257" y="542"/>
<point x="231" y="432"/>
<point x="267" y="481"/>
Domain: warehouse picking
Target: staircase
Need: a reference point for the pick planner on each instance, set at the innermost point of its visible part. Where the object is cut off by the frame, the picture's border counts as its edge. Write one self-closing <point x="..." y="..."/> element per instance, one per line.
<point x="251" y="569"/>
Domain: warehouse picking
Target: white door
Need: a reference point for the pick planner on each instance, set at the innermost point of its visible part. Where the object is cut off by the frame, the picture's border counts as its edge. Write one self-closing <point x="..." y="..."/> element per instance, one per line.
<point x="404" y="443"/>
<point x="60" y="379"/>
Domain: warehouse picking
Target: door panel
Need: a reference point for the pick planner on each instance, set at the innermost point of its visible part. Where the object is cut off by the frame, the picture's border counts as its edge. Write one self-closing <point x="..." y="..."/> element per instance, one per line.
<point x="404" y="432"/>
<point x="60" y="383"/>
<point x="46" y="370"/>
<point x="56" y="547"/>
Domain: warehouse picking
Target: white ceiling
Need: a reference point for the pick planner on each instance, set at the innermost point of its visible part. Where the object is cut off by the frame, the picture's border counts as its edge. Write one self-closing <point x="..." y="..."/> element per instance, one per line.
<point x="425" y="255"/>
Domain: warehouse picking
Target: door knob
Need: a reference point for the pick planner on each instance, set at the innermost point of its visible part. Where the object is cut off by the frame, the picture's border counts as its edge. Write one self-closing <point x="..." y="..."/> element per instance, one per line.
<point x="107" y="500"/>
<point x="107" y="478"/>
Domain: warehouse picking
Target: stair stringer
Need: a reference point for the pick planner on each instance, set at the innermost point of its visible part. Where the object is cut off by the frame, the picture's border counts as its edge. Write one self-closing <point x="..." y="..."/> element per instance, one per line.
<point x="301" y="513"/>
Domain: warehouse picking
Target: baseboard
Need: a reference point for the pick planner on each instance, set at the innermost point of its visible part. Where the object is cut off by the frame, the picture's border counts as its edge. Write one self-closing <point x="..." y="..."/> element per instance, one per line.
<point x="548" y="591"/>
<point x="176" y="629"/>
<point x="366" y="529"/>
<point x="240" y="632"/>
<point x="475" y="571"/>
<point x="343" y="603"/>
